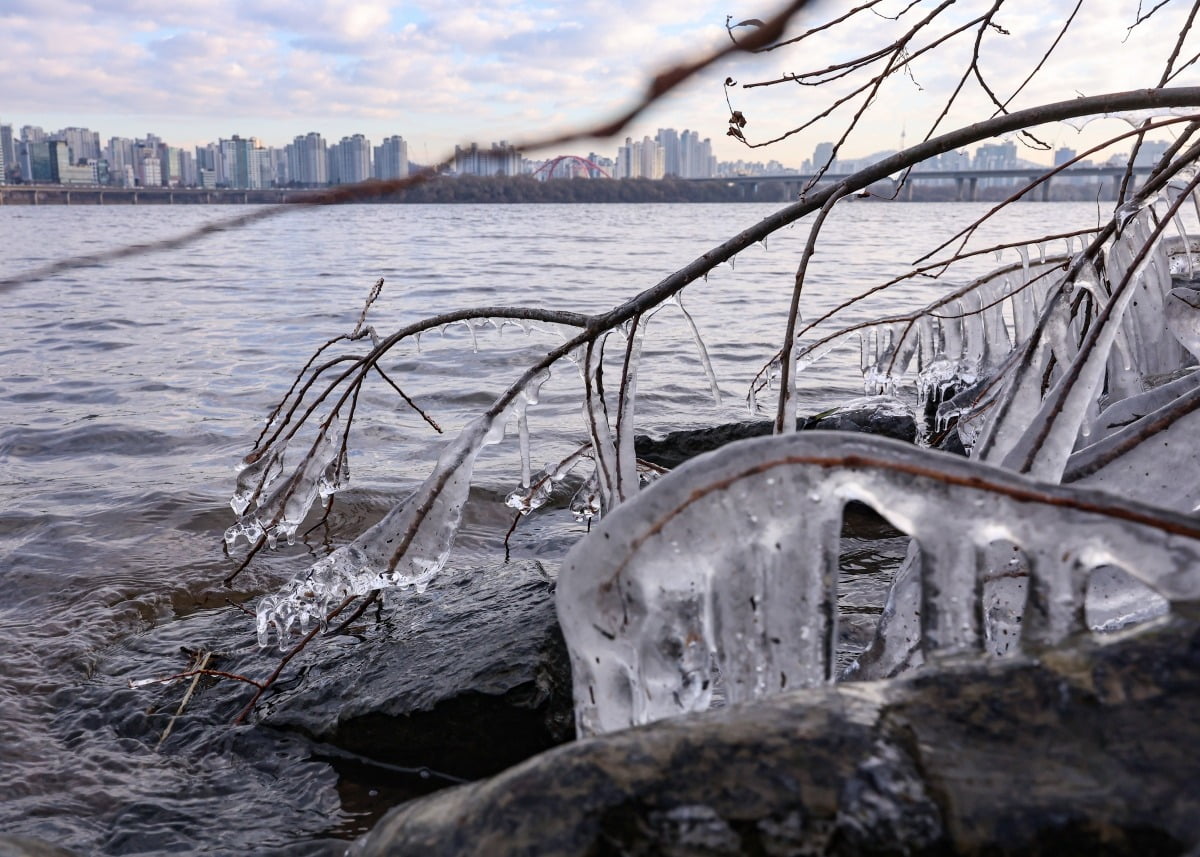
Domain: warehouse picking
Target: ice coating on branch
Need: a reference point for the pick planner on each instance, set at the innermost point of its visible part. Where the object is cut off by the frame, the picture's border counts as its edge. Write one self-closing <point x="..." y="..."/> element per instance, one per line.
<point x="953" y="341"/>
<point x="1137" y="447"/>
<point x="585" y="505"/>
<point x="528" y="396"/>
<point x="527" y="498"/>
<point x="258" y="471"/>
<point x="628" y="482"/>
<point x="1042" y="450"/>
<point x="406" y="548"/>
<point x="595" y="417"/>
<point x="701" y="351"/>
<point x="728" y="566"/>
<point x="320" y="473"/>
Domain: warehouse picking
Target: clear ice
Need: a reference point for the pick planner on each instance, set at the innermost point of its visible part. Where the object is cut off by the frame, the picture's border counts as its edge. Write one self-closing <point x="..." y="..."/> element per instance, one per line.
<point x="726" y="570"/>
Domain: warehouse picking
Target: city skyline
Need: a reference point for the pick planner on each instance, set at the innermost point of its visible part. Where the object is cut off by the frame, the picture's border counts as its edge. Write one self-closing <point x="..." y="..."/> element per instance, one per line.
<point x="514" y="71"/>
<point x="78" y="156"/>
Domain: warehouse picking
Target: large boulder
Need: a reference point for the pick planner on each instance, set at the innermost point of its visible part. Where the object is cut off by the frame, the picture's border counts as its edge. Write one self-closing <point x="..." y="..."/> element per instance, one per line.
<point x="1085" y="750"/>
<point x="877" y="415"/>
<point x="469" y="677"/>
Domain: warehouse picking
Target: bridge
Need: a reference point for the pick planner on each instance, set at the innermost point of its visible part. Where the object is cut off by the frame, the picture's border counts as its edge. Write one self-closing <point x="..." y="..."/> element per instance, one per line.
<point x="966" y="181"/>
<point x="57" y="194"/>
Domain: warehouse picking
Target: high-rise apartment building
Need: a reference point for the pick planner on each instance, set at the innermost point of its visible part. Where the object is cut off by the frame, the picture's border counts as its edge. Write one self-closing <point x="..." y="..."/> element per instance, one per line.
<point x="308" y="160"/>
<point x="668" y="138"/>
<point x="639" y="160"/>
<point x="391" y="159"/>
<point x="500" y="160"/>
<point x="350" y="160"/>
<point x="84" y="144"/>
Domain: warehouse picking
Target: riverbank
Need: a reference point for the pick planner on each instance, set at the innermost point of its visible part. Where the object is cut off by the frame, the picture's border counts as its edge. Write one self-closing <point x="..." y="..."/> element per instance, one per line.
<point x="517" y="190"/>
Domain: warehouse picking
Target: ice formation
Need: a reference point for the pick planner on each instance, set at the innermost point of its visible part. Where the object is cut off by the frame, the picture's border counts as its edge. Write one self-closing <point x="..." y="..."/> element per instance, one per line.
<point x="729" y="567"/>
<point x="406" y="548"/>
<point x="1070" y="379"/>
<point x="1050" y="370"/>
<point x="321" y="472"/>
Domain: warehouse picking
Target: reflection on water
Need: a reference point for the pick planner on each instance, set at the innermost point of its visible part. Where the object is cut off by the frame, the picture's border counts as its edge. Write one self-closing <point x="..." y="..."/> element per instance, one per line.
<point x="129" y="391"/>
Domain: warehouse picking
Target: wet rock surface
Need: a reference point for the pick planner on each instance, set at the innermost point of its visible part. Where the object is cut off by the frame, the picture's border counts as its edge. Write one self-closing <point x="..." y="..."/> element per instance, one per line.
<point x="469" y="677"/>
<point x="1086" y="750"/>
<point x="458" y="682"/>
<point x="879" y="416"/>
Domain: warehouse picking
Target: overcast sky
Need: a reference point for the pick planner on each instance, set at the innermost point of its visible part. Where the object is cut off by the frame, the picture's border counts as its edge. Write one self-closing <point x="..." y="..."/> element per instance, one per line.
<point x="439" y="74"/>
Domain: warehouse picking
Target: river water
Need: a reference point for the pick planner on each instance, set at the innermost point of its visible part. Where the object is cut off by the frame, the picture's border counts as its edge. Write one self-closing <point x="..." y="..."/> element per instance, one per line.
<point x="129" y="391"/>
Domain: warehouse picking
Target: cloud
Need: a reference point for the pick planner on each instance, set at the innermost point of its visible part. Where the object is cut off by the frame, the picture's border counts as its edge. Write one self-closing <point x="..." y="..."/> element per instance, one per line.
<point x="510" y="68"/>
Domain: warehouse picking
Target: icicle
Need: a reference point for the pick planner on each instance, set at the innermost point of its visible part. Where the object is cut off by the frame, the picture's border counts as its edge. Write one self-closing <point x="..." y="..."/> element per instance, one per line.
<point x="282" y="512"/>
<point x="585" y="505"/>
<point x="1187" y="246"/>
<point x="677" y="299"/>
<point x="406" y="548"/>
<point x="527" y="498"/>
<point x="627" y="484"/>
<point x="256" y="475"/>
<point x="527" y="397"/>
<point x="595" y="415"/>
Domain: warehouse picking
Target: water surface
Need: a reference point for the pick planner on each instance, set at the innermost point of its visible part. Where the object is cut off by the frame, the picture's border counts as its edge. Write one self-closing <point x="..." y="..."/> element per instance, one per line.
<point x="129" y="391"/>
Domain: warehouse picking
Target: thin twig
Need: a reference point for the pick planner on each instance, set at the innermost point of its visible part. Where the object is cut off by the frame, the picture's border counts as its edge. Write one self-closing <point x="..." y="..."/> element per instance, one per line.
<point x="183" y="703"/>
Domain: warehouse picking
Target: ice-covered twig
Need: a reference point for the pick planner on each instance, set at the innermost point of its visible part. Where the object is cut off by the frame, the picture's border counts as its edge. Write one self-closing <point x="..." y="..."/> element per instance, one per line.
<point x="729" y="566"/>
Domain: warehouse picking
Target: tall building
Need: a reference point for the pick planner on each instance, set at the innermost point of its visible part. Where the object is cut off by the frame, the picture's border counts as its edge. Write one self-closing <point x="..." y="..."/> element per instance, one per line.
<point x="84" y="144"/>
<point x="996" y="156"/>
<point x="47" y="161"/>
<point x="822" y="156"/>
<point x="188" y="174"/>
<point x="668" y="138"/>
<point x="8" y="152"/>
<point x="308" y="161"/>
<point x="350" y="160"/>
<point x="235" y="163"/>
<point x="1149" y="153"/>
<point x="639" y="160"/>
<point x="279" y="164"/>
<point x="696" y="160"/>
<point x="500" y="160"/>
<point x="391" y="159"/>
<point x="120" y="153"/>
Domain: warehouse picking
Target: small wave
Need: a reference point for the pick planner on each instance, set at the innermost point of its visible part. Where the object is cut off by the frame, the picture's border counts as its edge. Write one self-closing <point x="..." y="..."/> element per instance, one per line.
<point x="90" y="439"/>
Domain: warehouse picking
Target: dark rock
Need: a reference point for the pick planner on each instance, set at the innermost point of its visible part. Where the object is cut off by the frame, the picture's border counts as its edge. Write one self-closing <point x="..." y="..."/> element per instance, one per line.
<point x="1087" y="750"/>
<point x="880" y="415"/>
<point x="679" y="446"/>
<point x="469" y="677"/>
<point x="24" y="846"/>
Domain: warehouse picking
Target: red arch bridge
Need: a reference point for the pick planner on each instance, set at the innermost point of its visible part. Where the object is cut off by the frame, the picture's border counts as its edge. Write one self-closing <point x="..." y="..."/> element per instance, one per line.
<point x="570" y="167"/>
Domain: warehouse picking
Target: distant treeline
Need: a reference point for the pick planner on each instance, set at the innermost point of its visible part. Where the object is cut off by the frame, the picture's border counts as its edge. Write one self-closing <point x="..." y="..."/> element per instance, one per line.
<point x="510" y="189"/>
<point x="518" y="189"/>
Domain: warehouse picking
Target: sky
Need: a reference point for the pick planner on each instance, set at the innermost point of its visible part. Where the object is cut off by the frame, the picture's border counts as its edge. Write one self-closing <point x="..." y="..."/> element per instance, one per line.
<point x="193" y="71"/>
